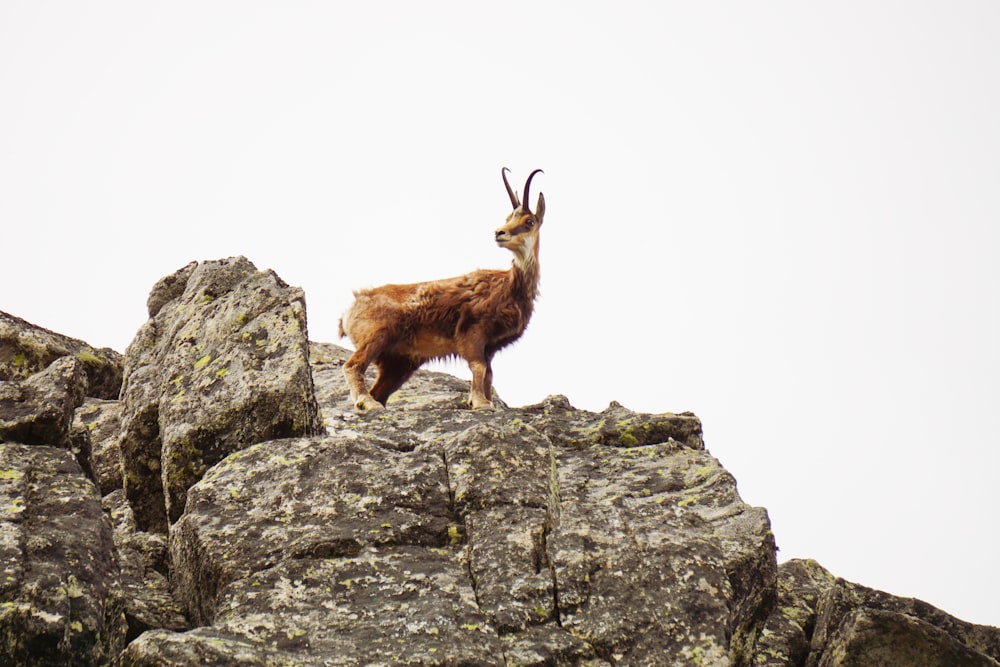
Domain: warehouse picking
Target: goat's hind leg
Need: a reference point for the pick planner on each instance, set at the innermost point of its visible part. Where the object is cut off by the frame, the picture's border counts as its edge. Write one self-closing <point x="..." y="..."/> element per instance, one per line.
<point x="393" y="371"/>
<point x="354" y="372"/>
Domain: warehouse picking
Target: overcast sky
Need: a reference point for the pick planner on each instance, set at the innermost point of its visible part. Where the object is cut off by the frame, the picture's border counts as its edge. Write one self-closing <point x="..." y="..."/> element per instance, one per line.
<point x="782" y="216"/>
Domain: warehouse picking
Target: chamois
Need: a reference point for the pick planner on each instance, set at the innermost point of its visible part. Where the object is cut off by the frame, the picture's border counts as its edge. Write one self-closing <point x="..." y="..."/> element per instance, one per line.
<point x="401" y="327"/>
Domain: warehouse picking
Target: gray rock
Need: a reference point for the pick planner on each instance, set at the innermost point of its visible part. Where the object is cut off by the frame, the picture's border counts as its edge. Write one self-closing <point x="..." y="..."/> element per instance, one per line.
<point x="856" y="625"/>
<point x="503" y="482"/>
<point x="169" y="288"/>
<point x="61" y="601"/>
<point x="784" y="639"/>
<point x="500" y="462"/>
<point x="100" y="420"/>
<point x="820" y="620"/>
<point x="222" y="364"/>
<point x="509" y="566"/>
<point x="616" y="426"/>
<point x="39" y="410"/>
<point x="26" y="349"/>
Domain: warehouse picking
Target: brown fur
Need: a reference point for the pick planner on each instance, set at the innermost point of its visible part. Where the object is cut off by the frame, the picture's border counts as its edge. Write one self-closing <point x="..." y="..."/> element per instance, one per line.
<point x="401" y="327"/>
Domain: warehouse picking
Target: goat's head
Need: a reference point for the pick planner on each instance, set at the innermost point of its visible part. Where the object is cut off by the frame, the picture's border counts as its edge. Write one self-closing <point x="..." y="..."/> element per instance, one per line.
<point x="519" y="233"/>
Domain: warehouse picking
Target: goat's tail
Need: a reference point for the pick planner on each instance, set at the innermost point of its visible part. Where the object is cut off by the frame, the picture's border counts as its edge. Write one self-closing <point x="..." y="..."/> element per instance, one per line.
<point x="340" y="327"/>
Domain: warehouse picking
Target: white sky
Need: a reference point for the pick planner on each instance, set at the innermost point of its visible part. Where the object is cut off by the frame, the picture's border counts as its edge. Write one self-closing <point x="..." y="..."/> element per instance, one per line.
<point x="783" y="216"/>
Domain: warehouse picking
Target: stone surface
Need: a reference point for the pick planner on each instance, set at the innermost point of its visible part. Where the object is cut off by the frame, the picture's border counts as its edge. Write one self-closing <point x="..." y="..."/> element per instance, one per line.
<point x="61" y="601"/>
<point x="223" y="363"/>
<point x="26" y="349"/>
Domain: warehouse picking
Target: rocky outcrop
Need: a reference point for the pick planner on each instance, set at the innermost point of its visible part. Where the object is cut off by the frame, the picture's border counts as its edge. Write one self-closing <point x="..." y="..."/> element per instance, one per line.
<point x="619" y="553"/>
<point x="253" y="518"/>
<point x="222" y="363"/>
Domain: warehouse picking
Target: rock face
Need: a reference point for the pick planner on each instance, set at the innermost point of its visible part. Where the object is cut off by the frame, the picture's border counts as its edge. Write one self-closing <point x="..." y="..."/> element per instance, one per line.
<point x="251" y="517"/>
<point x="61" y="600"/>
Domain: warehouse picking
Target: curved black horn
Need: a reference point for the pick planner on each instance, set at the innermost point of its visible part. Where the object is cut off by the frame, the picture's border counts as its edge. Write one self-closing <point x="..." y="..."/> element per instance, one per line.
<point x="527" y="184"/>
<point x="513" y="197"/>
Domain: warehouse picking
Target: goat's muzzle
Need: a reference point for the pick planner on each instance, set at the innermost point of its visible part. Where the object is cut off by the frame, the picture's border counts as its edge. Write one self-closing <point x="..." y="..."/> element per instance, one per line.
<point x="502" y="235"/>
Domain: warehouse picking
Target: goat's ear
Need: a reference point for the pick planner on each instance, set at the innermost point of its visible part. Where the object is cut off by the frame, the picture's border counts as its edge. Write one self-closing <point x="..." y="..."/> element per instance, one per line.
<point x="540" y="208"/>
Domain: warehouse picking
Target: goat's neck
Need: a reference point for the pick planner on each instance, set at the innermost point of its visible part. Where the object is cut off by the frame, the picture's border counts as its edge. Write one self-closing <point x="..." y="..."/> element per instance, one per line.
<point x="525" y="273"/>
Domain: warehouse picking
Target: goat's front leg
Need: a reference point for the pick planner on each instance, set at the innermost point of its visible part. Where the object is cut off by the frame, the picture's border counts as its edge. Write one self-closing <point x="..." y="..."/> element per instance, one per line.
<point x="472" y="348"/>
<point x="482" y="379"/>
<point x="354" y="372"/>
<point x="488" y="380"/>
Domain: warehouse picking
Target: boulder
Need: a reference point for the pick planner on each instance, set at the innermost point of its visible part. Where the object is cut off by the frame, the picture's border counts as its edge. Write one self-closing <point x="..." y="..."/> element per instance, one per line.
<point x="223" y="363"/>
<point x="61" y="600"/>
<point x="26" y="349"/>
<point x="544" y="535"/>
<point x="784" y="639"/>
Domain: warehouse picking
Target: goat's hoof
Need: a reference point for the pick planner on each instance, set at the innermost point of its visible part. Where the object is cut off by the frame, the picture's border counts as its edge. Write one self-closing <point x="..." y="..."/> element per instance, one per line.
<point x="487" y="405"/>
<point x="368" y="404"/>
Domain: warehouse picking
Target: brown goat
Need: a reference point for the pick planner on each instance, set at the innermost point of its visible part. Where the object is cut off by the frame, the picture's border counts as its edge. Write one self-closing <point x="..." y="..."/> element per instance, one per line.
<point x="401" y="327"/>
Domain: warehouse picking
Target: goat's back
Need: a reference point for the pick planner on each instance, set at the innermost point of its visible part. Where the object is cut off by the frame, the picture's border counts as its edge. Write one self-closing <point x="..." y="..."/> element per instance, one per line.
<point x="404" y="310"/>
